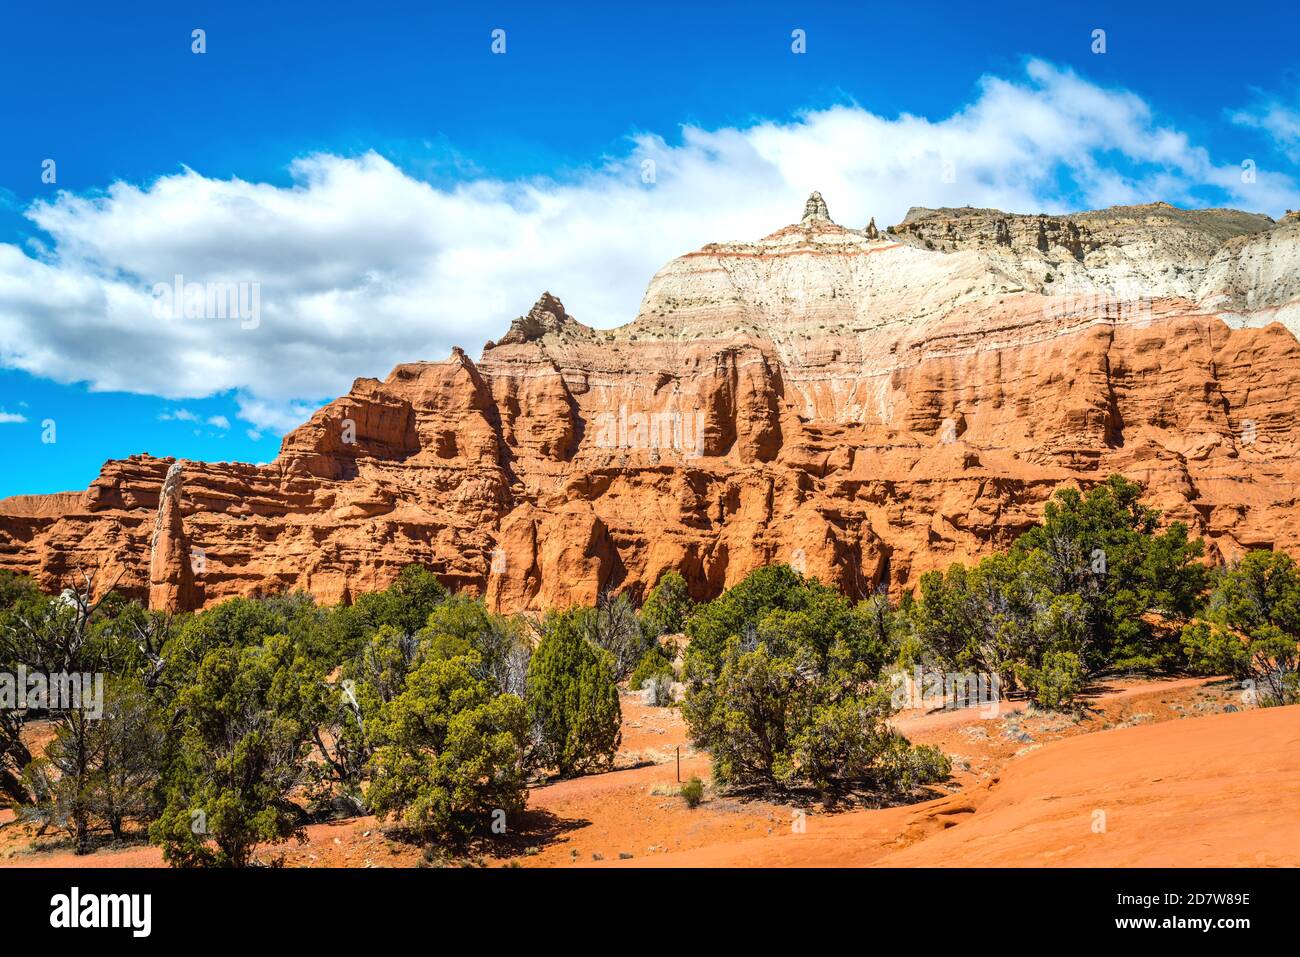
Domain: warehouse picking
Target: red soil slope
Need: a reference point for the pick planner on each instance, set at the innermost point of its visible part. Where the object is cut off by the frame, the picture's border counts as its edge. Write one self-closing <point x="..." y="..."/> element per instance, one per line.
<point x="1217" y="791"/>
<point x="1220" y="791"/>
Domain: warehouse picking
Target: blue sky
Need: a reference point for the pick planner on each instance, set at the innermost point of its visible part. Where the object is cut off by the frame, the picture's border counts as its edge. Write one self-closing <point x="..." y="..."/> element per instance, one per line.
<point x="394" y="187"/>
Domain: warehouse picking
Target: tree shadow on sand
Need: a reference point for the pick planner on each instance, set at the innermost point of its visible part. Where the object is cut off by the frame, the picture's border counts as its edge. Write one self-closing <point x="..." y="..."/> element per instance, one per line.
<point x="834" y="801"/>
<point x="533" y="830"/>
<point x="52" y="841"/>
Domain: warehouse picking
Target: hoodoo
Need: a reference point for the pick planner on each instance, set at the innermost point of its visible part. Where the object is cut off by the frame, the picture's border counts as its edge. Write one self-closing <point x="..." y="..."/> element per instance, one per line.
<point x="171" y="572"/>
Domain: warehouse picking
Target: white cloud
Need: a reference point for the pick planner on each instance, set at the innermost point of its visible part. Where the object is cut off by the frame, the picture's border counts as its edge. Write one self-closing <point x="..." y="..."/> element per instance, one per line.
<point x="178" y="415"/>
<point x="11" y="418"/>
<point x="1279" y="121"/>
<point x="282" y="416"/>
<point x="219" y="421"/>
<point x="360" y="266"/>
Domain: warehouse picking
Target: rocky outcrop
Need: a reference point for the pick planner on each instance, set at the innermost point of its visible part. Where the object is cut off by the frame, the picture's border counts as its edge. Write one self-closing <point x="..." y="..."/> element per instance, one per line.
<point x="546" y="316"/>
<point x="864" y="405"/>
<point x="815" y="209"/>
<point x="171" y="565"/>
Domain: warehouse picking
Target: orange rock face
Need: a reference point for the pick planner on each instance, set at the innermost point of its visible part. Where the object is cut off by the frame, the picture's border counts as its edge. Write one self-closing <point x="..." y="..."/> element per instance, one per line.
<point x="866" y="406"/>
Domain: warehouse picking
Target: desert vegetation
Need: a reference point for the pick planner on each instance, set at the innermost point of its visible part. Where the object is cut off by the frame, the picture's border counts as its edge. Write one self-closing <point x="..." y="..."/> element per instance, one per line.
<point x="232" y="728"/>
<point x="1096" y="586"/>
<point x="786" y="687"/>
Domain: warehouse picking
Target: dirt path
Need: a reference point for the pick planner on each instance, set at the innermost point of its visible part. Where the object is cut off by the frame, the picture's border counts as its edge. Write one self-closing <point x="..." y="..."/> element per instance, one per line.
<point x="637" y="812"/>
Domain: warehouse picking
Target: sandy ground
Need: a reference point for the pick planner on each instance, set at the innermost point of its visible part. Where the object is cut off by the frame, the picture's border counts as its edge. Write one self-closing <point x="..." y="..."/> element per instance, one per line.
<point x="1220" y="791"/>
<point x="1149" y="773"/>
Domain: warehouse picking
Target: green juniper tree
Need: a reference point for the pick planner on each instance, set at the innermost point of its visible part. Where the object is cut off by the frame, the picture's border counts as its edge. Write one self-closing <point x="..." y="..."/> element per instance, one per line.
<point x="573" y="706"/>
<point x="450" y="752"/>
<point x="667" y="607"/>
<point x="245" y="724"/>
<point x="785" y="688"/>
<point x="1251" y="629"/>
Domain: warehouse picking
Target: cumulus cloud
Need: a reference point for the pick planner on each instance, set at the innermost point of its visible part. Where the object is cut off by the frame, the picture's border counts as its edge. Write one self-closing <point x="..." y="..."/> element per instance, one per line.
<point x="219" y="421"/>
<point x="357" y="265"/>
<point x="11" y="418"/>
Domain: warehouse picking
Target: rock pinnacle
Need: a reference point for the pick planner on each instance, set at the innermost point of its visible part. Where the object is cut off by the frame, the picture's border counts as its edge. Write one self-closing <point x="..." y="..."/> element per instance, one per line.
<point x="815" y="209"/>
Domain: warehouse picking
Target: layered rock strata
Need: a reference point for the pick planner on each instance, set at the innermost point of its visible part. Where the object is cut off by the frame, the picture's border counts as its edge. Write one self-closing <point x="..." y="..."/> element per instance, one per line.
<point x="865" y="405"/>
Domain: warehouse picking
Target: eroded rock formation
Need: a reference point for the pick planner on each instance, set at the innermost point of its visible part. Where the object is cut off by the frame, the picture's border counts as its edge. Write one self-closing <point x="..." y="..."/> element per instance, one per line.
<point x="171" y="566"/>
<point x="864" y="405"/>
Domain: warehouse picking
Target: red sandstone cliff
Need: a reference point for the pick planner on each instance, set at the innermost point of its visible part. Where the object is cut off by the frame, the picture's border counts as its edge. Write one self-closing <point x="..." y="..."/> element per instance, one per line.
<point x="864" y="405"/>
